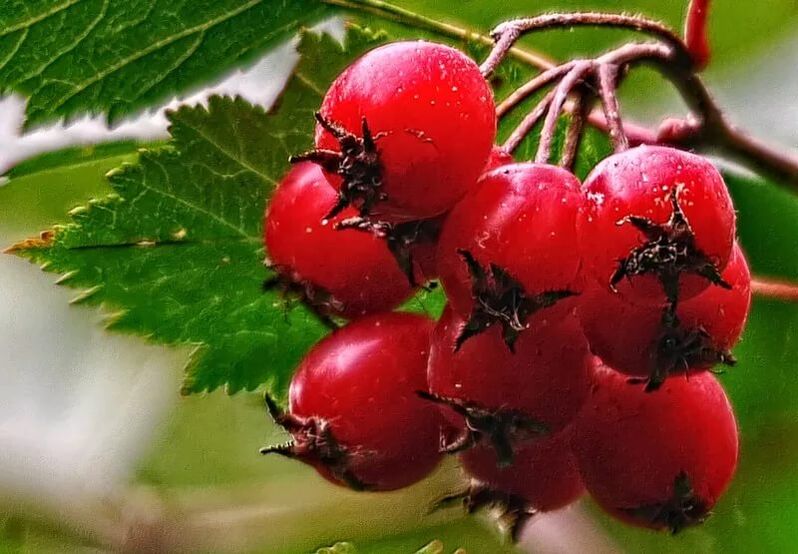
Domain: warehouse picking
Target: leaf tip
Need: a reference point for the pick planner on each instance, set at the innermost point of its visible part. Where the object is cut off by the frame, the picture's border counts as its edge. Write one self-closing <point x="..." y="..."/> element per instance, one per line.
<point x="44" y="240"/>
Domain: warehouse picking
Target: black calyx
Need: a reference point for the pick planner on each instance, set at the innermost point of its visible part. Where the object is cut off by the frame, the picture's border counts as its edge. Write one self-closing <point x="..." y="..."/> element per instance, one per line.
<point x="399" y="237"/>
<point x="312" y="442"/>
<point x="679" y="348"/>
<point x="514" y="511"/>
<point x="499" y="298"/>
<point x="669" y="251"/>
<point x="318" y="300"/>
<point x="501" y="428"/>
<point x="683" y="509"/>
<point x="358" y="165"/>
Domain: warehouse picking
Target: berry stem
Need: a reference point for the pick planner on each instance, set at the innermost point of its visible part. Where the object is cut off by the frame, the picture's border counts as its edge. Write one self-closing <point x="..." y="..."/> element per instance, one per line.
<point x="780" y="290"/>
<point x="566" y="86"/>
<point x="527" y="124"/>
<point x="608" y="83"/>
<point x="696" y="33"/>
<point x="507" y="34"/>
<point x="531" y="87"/>
<point x="573" y="137"/>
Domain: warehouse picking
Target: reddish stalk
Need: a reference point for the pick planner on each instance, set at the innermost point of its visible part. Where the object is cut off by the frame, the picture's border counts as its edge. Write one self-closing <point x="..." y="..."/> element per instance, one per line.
<point x="573" y="138"/>
<point x="527" y="124"/>
<point x="507" y="34"/>
<point x="779" y="290"/>
<point x="696" y="33"/>
<point x="571" y="80"/>
<point x="531" y="87"/>
<point x="608" y="82"/>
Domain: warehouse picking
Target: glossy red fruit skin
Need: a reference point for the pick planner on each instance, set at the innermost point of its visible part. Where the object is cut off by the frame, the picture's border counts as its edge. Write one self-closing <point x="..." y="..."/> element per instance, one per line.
<point x="521" y="217"/>
<point x="638" y="182"/>
<point x="355" y="267"/>
<point x="363" y="379"/>
<point x="439" y="116"/>
<point x="543" y="472"/>
<point x="624" y="334"/>
<point x="631" y="445"/>
<point x="547" y="378"/>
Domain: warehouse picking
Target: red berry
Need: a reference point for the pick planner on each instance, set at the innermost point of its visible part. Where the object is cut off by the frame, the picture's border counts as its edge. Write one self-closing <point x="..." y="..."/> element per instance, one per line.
<point x="346" y="272"/>
<point x="659" y="224"/>
<point x="543" y="473"/>
<point x="432" y="117"/>
<point x="656" y="460"/>
<point x="508" y="396"/>
<point x="646" y="341"/>
<point x="354" y="412"/>
<point x="519" y="226"/>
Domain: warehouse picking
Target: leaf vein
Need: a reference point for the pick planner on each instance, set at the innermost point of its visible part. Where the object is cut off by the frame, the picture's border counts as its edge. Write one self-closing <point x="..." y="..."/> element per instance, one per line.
<point x="154" y="47"/>
<point x="35" y="19"/>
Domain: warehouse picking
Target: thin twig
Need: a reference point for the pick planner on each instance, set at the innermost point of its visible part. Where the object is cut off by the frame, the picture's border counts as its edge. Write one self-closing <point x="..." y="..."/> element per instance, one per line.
<point x="780" y="290"/>
<point x="507" y="34"/>
<point x="608" y="81"/>
<point x="573" y="137"/>
<point x="561" y="93"/>
<point x="531" y="87"/>
<point x="696" y="33"/>
<point x="527" y="124"/>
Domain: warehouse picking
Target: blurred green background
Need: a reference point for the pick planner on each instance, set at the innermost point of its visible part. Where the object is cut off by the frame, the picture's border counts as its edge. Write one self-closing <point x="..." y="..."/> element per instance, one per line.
<point x="209" y="443"/>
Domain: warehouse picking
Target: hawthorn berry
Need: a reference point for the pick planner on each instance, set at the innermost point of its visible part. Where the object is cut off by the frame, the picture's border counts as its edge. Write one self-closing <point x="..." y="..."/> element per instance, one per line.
<point x="543" y="473"/>
<point x="509" y="249"/>
<point x="658" y="224"/>
<point x="343" y="272"/>
<point x="656" y="460"/>
<point x="405" y="131"/>
<point x="489" y="394"/>
<point x="654" y="342"/>
<point x="543" y="477"/>
<point x="354" y="413"/>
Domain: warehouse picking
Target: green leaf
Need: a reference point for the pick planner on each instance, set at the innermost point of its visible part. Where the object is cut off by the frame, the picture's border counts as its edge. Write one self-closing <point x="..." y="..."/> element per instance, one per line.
<point x="71" y="57"/>
<point x="175" y="253"/>
<point x="38" y="192"/>
<point x="74" y="156"/>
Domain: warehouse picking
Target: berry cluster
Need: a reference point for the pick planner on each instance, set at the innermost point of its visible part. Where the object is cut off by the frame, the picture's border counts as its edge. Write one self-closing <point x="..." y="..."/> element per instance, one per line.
<point x="581" y="320"/>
